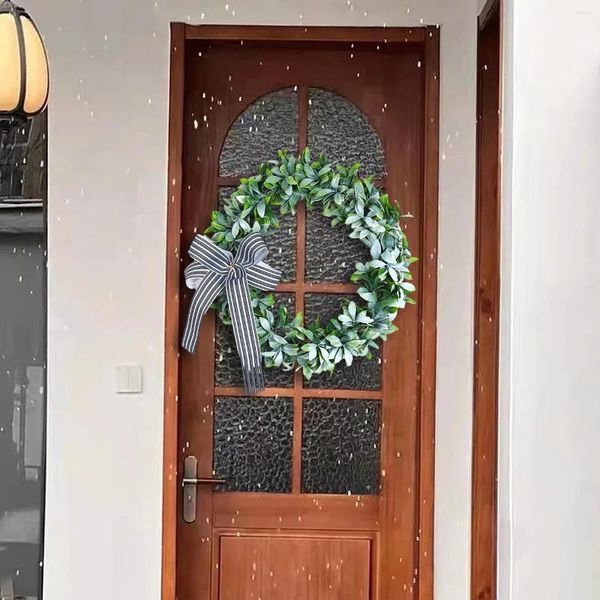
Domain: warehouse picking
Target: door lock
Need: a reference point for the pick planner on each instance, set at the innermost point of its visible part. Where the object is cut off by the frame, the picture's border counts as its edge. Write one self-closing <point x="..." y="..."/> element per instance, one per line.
<point x="190" y="483"/>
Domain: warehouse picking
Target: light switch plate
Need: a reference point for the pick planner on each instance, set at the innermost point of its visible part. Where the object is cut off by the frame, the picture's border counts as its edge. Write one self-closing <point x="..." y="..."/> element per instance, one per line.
<point x="129" y="379"/>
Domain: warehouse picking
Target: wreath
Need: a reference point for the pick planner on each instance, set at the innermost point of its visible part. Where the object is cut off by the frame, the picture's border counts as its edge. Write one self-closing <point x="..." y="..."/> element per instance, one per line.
<point x="347" y="199"/>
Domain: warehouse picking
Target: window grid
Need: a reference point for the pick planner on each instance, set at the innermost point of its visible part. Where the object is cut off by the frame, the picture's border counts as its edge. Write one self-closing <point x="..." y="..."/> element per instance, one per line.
<point x="300" y="287"/>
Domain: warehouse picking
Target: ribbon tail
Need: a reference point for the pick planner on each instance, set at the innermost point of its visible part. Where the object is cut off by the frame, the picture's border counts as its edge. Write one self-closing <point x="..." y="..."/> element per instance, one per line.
<point x="246" y="337"/>
<point x="205" y="295"/>
<point x="254" y="380"/>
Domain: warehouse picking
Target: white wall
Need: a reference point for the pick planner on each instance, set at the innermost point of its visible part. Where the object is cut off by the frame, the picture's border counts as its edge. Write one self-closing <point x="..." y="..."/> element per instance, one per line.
<point x="107" y="162"/>
<point x="550" y="502"/>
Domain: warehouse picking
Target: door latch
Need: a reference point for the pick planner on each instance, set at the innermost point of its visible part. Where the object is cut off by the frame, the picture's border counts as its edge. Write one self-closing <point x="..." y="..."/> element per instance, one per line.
<point x="190" y="484"/>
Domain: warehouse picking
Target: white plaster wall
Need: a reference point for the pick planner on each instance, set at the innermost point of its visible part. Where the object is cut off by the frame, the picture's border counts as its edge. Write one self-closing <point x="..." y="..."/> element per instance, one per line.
<point x="107" y="162"/>
<point x="550" y="409"/>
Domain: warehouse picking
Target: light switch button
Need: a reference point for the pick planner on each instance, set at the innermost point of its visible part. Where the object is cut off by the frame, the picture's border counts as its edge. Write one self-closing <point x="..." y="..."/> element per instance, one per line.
<point x="129" y="379"/>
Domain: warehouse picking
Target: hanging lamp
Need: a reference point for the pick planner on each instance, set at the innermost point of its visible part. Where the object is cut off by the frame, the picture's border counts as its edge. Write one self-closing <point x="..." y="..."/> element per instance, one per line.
<point x="24" y="77"/>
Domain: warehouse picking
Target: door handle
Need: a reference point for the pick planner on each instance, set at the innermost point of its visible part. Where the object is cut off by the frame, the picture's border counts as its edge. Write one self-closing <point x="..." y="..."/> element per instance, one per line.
<point x="190" y="483"/>
<point x="203" y="481"/>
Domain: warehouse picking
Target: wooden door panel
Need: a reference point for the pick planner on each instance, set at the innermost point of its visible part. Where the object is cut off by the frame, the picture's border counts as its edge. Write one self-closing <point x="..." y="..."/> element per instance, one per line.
<point x="284" y="516"/>
<point x="302" y="511"/>
<point x="294" y="568"/>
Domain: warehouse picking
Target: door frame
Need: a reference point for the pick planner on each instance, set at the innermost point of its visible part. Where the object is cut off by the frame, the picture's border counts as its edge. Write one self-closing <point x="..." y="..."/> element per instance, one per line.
<point x="429" y="38"/>
<point x="486" y="340"/>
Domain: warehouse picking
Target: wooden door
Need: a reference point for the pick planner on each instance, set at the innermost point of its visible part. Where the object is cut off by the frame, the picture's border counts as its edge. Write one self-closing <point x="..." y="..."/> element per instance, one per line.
<point x="328" y="482"/>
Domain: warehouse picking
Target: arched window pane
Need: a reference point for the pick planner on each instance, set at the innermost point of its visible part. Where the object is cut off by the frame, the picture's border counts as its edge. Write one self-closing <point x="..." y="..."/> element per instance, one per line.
<point x="266" y="126"/>
<point x="339" y="129"/>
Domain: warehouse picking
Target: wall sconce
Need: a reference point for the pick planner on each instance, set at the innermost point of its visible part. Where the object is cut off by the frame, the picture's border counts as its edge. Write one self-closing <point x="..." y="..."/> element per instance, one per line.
<point x="24" y="78"/>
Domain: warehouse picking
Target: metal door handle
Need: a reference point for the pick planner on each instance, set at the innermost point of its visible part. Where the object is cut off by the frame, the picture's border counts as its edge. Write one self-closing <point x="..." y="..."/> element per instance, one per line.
<point x="203" y="480"/>
<point x="190" y="483"/>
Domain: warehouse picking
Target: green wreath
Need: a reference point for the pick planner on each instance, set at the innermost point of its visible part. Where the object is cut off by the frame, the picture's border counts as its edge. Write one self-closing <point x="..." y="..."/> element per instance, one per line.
<point x="347" y="198"/>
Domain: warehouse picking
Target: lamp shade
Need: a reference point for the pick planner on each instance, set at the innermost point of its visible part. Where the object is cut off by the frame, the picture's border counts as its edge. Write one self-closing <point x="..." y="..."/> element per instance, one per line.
<point x="24" y="80"/>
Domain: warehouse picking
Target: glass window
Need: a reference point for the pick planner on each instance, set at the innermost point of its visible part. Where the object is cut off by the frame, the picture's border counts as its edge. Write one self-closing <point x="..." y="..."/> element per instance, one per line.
<point x="22" y="356"/>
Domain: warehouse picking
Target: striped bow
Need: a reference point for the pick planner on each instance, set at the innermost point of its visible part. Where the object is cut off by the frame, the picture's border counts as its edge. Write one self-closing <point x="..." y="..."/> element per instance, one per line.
<point x="215" y="269"/>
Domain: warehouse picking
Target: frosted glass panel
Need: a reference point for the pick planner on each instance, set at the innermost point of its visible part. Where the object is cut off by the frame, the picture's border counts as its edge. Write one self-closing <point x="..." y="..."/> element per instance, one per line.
<point x="338" y="128"/>
<point x="340" y="446"/>
<point x="266" y="126"/>
<point x="331" y="255"/>
<point x="253" y="443"/>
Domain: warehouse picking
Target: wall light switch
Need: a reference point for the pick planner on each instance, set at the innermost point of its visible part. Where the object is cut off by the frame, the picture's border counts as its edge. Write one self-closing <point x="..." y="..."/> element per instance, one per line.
<point x="129" y="379"/>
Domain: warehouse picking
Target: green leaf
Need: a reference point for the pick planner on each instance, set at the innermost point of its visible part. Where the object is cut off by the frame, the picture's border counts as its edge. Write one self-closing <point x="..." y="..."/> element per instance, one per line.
<point x="278" y="359"/>
<point x="348" y="357"/>
<point x="368" y="296"/>
<point x="279" y="340"/>
<point x="359" y="207"/>
<point x="352" y="309"/>
<point x="334" y="341"/>
<point x="359" y="191"/>
<point x="352" y="218"/>
<point x="310" y="172"/>
<point x="377" y="264"/>
<point x="355" y="344"/>
<point x="272" y="180"/>
<point x="376" y="249"/>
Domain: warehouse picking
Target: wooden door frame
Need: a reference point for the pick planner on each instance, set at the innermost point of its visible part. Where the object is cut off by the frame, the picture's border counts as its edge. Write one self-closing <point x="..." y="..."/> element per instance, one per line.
<point x="429" y="38"/>
<point x="487" y="308"/>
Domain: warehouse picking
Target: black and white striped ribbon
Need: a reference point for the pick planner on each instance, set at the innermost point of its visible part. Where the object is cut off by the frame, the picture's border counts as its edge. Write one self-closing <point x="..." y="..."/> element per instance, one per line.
<point x="215" y="269"/>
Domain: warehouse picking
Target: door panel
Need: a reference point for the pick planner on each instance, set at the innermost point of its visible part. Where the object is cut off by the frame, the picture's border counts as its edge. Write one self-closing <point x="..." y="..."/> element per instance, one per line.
<point x="300" y="568"/>
<point x="320" y="472"/>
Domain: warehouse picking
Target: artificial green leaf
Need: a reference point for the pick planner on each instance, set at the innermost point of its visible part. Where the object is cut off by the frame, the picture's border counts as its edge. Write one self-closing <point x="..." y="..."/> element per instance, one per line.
<point x="376" y="249"/>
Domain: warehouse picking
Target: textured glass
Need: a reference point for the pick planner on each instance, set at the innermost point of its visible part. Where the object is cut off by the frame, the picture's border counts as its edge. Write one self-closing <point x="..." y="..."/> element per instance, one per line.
<point x="268" y="125"/>
<point x="340" y="446"/>
<point x="331" y="255"/>
<point x="338" y="128"/>
<point x="253" y="443"/>
<point x="363" y="373"/>
<point x="281" y="241"/>
<point x="323" y="307"/>
<point x="228" y="368"/>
